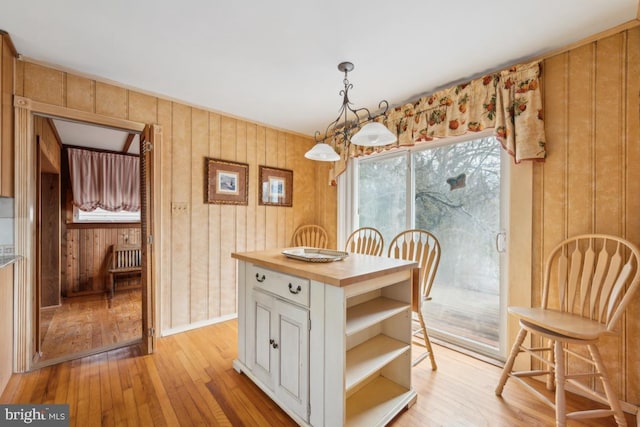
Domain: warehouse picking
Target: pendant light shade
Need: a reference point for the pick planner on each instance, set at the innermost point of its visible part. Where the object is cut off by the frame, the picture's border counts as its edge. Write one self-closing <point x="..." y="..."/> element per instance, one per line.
<point x="322" y="152"/>
<point x="373" y="134"/>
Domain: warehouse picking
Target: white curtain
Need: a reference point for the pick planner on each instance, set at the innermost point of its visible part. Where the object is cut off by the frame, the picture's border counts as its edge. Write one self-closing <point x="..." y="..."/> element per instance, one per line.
<point x="104" y="180"/>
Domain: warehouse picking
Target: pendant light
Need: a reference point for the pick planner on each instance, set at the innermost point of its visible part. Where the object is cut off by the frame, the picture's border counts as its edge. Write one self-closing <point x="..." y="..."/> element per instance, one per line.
<point x="361" y="128"/>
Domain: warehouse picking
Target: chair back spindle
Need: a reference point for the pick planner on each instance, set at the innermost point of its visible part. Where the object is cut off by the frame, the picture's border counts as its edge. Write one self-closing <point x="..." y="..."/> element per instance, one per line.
<point x="591" y="276"/>
<point x="366" y="241"/>
<point x="313" y="236"/>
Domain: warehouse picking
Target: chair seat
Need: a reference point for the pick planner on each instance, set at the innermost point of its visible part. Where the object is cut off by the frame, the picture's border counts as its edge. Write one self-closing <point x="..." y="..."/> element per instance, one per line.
<point x="565" y="324"/>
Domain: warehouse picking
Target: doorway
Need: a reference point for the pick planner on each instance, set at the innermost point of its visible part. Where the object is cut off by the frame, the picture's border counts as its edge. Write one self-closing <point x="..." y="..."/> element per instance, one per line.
<point x="26" y="205"/>
<point x="77" y="315"/>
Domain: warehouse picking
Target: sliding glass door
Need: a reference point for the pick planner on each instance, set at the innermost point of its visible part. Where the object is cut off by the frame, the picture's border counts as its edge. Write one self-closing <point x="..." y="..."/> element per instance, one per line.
<point x="456" y="192"/>
<point x="458" y="198"/>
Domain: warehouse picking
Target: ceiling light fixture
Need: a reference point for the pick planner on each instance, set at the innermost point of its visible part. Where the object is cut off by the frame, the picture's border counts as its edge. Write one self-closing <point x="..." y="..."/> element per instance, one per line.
<point x="362" y="129"/>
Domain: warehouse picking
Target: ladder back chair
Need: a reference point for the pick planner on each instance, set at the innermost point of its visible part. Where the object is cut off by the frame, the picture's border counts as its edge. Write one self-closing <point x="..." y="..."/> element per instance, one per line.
<point x="312" y="236"/>
<point x="589" y="280"/>
<point x="366" y="241"/>
<point x="424" y="248"/>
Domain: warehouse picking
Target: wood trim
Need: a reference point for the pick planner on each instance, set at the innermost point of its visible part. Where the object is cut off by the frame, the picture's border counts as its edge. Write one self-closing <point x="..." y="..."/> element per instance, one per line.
<point x="54" y="129"/>
<point x="154" y="290"/>
<point x="88" y="353"/>
<point x="100" y="150"/>
<point x="25" y="202"/>
<point x="25" y="243"/>
<point x="101" y="225"/>
<point x="127" y="143"/>
<point x="68" y="113"/>
<point x="12" y="47"/>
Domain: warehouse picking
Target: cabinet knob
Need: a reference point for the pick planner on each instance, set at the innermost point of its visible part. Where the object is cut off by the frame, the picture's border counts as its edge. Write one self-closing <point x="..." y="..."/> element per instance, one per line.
<point x="273" y="343"/>
<point x="296" y="290"/>
<point x="260" y="278"/>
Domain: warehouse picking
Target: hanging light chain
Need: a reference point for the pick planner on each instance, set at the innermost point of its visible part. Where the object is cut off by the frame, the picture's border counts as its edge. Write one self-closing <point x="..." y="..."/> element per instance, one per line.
<point x="344" y="131"/>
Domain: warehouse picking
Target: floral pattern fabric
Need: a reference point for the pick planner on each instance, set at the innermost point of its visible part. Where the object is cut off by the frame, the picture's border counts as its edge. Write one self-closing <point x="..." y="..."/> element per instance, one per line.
<point x="509" y="102"/>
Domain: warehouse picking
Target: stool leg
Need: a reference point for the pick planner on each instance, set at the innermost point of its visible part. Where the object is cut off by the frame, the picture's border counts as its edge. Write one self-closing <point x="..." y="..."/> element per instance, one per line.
<point x="515" y="350"/>
<point x="111" y="290"/>
<point x="561" y="410"/>
<point x="552" y="356"/>
<point x="614" y="403"/>
<point x="427" y="342"/>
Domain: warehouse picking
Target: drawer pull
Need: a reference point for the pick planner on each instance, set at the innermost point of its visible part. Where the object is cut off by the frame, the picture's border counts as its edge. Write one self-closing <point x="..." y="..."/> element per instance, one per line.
<point x="260" y="279"/>
<point x="296" y="290"/>
<point x="273" y="343"/>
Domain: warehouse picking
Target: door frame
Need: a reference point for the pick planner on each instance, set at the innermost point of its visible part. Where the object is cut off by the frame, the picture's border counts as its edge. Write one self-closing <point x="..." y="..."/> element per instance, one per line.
<point x="25" y="225"/>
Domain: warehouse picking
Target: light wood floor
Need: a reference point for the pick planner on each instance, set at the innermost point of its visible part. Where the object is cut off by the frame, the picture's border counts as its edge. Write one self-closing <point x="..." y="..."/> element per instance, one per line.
<point x="190" y="381"/>
<point x="86" y="323"/>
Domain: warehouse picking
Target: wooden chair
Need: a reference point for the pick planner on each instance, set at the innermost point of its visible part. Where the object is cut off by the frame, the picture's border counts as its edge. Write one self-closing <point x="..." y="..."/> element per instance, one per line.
<point x="312" y="236"/>
<point x="588" y="282"/>
<point x="423" y="247"/>
<point x="366" y="241"/>
<point x="126" y="261"/>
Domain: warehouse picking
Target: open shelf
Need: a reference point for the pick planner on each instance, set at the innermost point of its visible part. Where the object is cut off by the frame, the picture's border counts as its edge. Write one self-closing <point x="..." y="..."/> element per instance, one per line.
<point x="371" y="356"/>
<point x="377" y="403"/>
<point x="363" y="315"/>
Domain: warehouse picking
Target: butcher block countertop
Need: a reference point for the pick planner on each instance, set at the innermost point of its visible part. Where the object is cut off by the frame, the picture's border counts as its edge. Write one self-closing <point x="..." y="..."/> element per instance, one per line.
<point x="353" y="269"/>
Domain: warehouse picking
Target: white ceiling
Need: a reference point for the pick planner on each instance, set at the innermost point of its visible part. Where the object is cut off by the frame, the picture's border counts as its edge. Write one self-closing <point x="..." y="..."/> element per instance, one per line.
<point x="274" y="62"/>
<point x="96" y="137"/>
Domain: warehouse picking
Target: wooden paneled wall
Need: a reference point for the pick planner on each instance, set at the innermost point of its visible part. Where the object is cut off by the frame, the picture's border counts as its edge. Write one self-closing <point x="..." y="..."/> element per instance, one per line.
<point x="7" y="54"/>
<point x="197" y="282"/>
<point x="6" y="325"/>
<point x="86" y="256"/>
<point x="590" y="181"/>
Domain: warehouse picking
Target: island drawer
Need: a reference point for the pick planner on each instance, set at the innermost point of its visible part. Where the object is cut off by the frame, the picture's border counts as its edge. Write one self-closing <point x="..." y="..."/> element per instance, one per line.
<point x="286" y="286"/>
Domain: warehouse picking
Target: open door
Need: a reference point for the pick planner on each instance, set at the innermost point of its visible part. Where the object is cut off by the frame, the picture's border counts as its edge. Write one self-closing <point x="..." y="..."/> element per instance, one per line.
<point x="149" y="144"/>
<point x="47" y="284"/>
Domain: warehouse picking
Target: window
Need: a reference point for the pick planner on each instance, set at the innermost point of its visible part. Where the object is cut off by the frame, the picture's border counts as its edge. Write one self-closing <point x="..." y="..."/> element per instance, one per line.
<point x="101" y="215"/>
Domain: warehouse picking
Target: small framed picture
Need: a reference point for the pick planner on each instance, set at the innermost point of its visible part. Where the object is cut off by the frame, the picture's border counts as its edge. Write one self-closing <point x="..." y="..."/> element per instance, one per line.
<point x="275" y="187"/>
<point x="226" y="182"/>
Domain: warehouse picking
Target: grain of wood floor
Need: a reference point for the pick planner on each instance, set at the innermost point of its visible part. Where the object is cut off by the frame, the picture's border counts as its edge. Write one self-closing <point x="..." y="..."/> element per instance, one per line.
<point x="86" y="323"/>
<point x="189" y="381"/>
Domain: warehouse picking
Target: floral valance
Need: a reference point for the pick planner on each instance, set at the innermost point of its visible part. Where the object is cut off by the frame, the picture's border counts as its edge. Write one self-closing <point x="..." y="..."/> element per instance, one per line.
<point x="509" y="102"/>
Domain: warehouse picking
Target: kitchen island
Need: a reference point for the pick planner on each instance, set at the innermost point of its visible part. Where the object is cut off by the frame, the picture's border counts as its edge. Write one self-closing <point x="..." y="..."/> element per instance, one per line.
<point x="330" y="342"/>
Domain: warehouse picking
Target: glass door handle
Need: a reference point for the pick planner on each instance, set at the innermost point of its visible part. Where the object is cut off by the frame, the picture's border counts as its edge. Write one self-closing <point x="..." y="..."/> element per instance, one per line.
<point x="501" y="241"/>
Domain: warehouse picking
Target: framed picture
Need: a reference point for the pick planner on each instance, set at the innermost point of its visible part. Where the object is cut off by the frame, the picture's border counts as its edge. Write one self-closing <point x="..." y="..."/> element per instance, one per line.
<point x="275" y="187"/>
<point x="226" y="182"/>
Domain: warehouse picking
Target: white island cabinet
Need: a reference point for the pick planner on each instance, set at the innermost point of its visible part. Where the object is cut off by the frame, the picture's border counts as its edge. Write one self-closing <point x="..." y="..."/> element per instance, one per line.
<point x="330" y="343"/>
